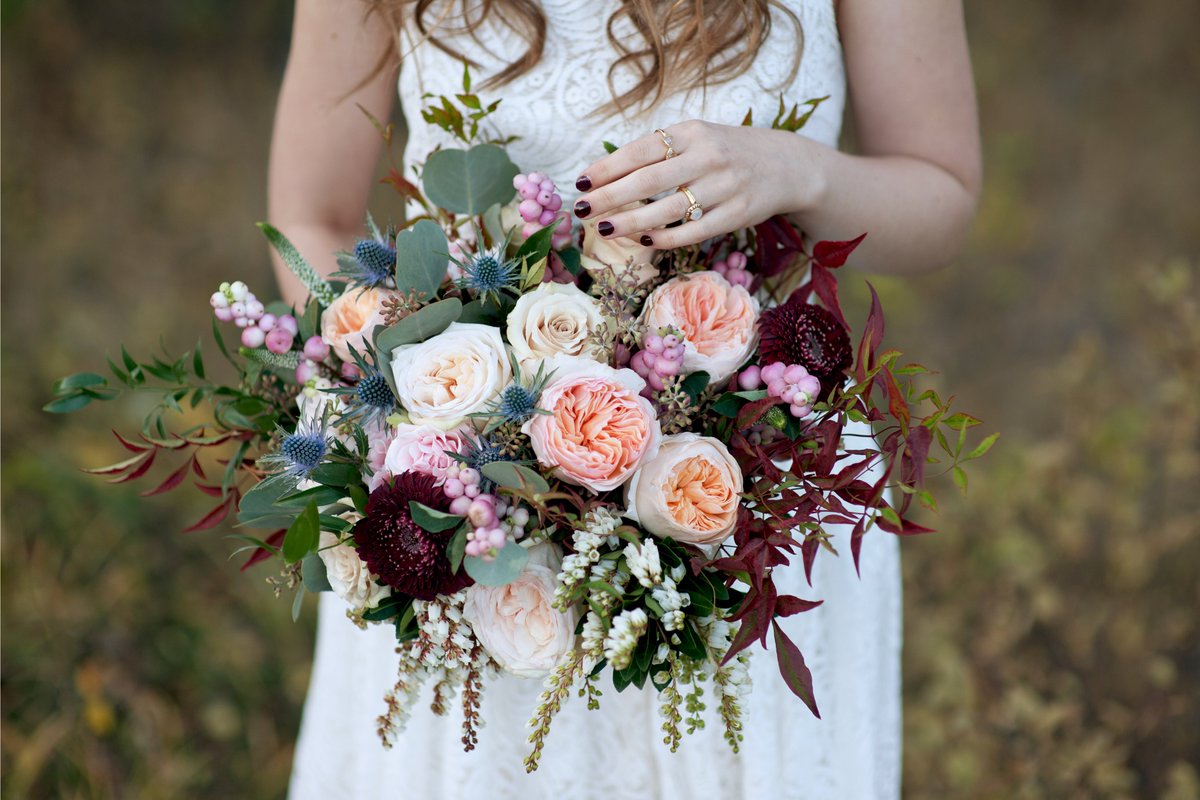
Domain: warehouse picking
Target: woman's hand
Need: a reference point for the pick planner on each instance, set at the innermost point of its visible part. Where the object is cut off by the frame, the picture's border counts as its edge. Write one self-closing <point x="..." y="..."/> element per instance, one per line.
<point x="739" y="175"/>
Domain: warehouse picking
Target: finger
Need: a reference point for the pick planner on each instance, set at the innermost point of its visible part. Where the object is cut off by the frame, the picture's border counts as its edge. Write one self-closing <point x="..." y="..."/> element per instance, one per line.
<point x="720" y="220"/>
<point x="660" y="213"/>
<point x="641" y="152"/>
<point x="641" y="184"/>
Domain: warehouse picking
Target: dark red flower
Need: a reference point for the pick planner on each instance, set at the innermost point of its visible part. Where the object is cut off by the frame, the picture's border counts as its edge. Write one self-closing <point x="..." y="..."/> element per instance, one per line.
<point x="802" y="333"/>
<point x="404" y="555"/>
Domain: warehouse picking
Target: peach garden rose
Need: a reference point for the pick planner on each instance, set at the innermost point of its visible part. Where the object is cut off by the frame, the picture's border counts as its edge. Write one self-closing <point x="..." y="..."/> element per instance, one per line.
<point x="349" y="319"/>
<point x="599" y="429"/>
<point x="718" y="321"/>
<point x="689" y="491"/>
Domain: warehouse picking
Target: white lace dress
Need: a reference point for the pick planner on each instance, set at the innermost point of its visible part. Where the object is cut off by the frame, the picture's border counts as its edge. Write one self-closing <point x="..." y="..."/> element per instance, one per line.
<point x="851" y="643"/>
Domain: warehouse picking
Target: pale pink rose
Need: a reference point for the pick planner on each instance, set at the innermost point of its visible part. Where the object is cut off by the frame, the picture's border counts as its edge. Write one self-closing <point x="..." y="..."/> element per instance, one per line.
<point x="554" y="318"/>
<point x="689" y="491"/>
<point x="517" y="623"/>
<point x="718" y="321"/>
<point x="457" y="373"/>
<point x="419" y="448"/>
<point x="350" y="319"/>
<point x="348" y="574"/>
<point x="617" y="253"/>
<point x="599" y="428"/>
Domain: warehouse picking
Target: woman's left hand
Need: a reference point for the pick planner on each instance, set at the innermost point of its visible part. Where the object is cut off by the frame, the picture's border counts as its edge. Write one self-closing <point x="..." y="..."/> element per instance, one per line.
<point x="739" y="176"/>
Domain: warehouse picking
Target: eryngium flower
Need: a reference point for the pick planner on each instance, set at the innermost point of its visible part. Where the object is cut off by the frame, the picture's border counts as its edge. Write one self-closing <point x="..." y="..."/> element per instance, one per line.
<point x="806" y="334"/>
<point x="404" y="555"/>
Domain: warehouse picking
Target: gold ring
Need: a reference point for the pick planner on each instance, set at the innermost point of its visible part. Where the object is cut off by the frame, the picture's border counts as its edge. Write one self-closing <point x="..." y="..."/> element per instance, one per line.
<point x="694" y="210"/>
<point x="668" y="143"/>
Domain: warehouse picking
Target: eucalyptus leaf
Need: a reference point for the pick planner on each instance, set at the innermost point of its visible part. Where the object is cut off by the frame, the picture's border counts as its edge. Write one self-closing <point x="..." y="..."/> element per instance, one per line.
<point x="469" y="181"/>
<point x="510" y="475"/>
<point x="418" y="326"/>
<point x="297" y="603"/>
<point x="504" y="569"/>
<point x="431" y="519"/>
<point x="315" y="577"/>
<point x="422" y="254"/>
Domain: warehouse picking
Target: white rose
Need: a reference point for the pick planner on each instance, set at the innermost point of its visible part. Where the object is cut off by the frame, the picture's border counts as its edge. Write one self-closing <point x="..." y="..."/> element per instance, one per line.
<point x="348" y="574"/>
<point x="689" y="491"/>
<point x="617" y="253"/>
<point x="554" y="318"/>
<point x="517" y="623"/>
<point x="456" y="373"/>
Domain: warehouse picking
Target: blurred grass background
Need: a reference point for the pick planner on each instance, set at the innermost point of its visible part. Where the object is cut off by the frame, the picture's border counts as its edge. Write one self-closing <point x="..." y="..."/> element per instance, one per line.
<point x="1052" y="648"/>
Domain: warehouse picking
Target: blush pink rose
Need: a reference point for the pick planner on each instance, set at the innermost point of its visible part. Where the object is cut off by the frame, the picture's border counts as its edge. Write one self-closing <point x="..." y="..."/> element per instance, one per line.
<point x="599" y="429"/>
<point x="718" y="321"/>
<point x="350" y="319"/>
<point x="418" y="448"/>
<point x="517" y="623"/>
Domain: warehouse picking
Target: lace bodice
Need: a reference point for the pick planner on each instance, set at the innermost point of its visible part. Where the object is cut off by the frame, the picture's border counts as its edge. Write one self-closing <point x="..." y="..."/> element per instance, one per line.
<point x="548" y="107"/>
<point x="851" y="643"/>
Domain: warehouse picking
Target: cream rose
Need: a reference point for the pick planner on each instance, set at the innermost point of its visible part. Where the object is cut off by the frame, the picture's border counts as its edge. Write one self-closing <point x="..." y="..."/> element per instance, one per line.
<point x="349" y="320"/>
<point x="452" y="375"/>
<point x="348" y="574"/>
<point x="418" y="448"/>
<point x="517" y="623"/>
<point x="554" y="318"/>
<point x="599" y="428"/>
<point x="689" y="491"/>
<point x="719" y="321"/>
<point x="617" y="253"/>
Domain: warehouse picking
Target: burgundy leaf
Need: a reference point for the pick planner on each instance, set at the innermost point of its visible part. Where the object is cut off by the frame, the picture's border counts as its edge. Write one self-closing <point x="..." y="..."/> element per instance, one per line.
<point x="794" y="671"/>
<point x="172" y="480"/>
<point x="262" y="554"/>
<point x="872" y="337"/>
<point x="897" y="405"/>
<point x="754" y="625"/>
<point x="211" y="491"/>
<point x="139" y="472"/>
<point x="833" y="254"/>
<point x="214" y="517"/>
<point x="788" y="605"/>
<point x="856" y="537"/>
<point x="825" y="285"/>
<point x="120" y="466"/>
<point x="130" y="446"/>
<point x="753" y="411"/>
<point x="808" y="551"/>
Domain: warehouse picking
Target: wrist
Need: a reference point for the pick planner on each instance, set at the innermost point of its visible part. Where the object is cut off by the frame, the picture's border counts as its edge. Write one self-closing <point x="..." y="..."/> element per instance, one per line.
<point x="809" y="164"/>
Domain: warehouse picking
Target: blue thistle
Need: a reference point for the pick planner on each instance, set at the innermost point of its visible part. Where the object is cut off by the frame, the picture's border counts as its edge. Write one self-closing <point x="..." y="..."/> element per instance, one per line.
<point x="301" y="451"/>
<point x="371" y="399"/>
<point x="518" y="402"/>
<point x="488" y="271"/>
<point x="373" y="261"/>
<point x="478" y="454"/>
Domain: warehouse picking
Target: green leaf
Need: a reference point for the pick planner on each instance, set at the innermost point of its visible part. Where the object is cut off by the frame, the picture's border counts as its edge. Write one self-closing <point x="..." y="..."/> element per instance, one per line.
<point x="334" y="474"/>
<point x="302" y="537"/>
<point x="68" y="404"/>
<point x="961" y="421"/>
<point x="418" y="326"/>
<point x="481" y="313"/>
<point x="960" y="478"/>
<point x="510" y="475"/>
<point x="572" y="259"/>
<point x="422" y="254"/>
<point x="257" y="506"/>
<point x="198" y="361"/>
<point x="297" y="604"/>
<point x="321" y="495"/>
<point x="728" y="405"/>
<point x="316" y="285"/>
<point x="431" y="519"/>
<point x="609" y="147"/>
<point x="696" y="383"/>
<point x="309" y="322"/>
<point x="983" y="447"/>
<point x="456" y="548"/>
<point x="358" y="496"/>
<point x="537" y="247"/>
<point x="78" y="381"/>
<point x="315" y="577"/>
<point x="469" y="181"/>
<point x="889" y="513"/>
<point x="509" y="562"/>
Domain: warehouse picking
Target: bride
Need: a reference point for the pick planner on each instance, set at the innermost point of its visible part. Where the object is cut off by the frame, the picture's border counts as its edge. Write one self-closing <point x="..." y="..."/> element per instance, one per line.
<point x="574" y="73"/>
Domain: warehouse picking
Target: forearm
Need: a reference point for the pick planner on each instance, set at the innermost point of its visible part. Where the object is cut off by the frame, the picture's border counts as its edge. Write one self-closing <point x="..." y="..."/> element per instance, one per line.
<point x="916" y="214"/>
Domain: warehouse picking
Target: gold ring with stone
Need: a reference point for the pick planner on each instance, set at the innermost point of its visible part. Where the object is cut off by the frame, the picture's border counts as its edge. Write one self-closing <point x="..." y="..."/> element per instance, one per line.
<point x="694" y="210"/>
<point x="668" y="143"/>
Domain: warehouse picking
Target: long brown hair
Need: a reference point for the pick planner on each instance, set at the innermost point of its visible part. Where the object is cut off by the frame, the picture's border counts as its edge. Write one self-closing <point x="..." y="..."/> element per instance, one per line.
<point x="683" y="43"/>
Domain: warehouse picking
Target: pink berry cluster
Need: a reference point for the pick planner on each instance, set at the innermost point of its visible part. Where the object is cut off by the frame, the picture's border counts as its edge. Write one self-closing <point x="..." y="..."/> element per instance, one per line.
<point x="541" y="204"/>
<point x="233" y="302"/>
<point x="733" y="269"/>
<point x="492" y="520"/>
<point x="315" y="351"/>
<point x="661" y="357"/>
<point x="791" y="383"/>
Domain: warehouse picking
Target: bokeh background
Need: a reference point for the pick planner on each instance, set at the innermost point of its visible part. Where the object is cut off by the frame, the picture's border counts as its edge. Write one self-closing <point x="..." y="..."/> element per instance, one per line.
<point x="1052" y="648"/>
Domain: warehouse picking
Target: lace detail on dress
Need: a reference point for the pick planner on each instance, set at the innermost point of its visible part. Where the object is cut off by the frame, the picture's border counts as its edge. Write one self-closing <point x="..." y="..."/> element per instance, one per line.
<point x="851" y="643"/>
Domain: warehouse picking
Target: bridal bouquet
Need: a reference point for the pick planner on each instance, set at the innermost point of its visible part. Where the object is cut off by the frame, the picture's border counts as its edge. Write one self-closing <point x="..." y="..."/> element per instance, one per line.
<point x="534" y="450"/>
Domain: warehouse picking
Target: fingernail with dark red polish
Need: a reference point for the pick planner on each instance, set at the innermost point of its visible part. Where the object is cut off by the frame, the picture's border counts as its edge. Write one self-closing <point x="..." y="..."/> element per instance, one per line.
<point x="583" y="183"/>
<point x="605" y="228"/>
<point x="646" y="241"/>
<point x="583" y="208"/>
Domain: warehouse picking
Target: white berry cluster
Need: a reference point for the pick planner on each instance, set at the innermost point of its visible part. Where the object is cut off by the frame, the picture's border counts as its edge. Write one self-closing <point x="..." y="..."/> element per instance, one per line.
<point x="595" y="529"/>
<point x="622" y="639"/>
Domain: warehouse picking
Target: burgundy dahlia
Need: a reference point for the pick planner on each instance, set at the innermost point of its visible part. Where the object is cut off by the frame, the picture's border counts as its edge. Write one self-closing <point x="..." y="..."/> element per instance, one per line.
<point x="404" y="555"/>
<point x="806" y="334"/>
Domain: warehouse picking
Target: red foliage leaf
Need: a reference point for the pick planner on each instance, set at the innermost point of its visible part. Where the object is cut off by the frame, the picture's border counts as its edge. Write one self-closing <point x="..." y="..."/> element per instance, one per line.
<point x="832" y="255"/>
<point x="872" y="337"/>
<point x="172" y="480"/>
<point x="753" y="411"/>
<point x="211" y="491"/>
<point x="130" y="446"/>
<point x="214" y="517"/>
<point x="262" y="554"/>
<point x="199" y="470"/>
<point x="754" y="626"/>
<point x="788" y="605"/>
<point x="906" y="527"/>
<point x="402" y="185"/>
<point x="139" y="472"/>
<point x="825" y="285"/>
<point x="779" y="246"/>
<point x="120" y="466"/>
<point x="794" y="671"/>
<point x="808" y="552"/>
<point x="897" y="405"/>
